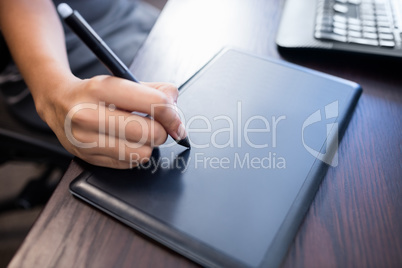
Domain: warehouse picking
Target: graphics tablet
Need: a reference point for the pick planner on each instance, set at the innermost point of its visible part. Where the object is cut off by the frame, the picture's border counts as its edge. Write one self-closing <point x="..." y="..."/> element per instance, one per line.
<point x="263" y="133"/>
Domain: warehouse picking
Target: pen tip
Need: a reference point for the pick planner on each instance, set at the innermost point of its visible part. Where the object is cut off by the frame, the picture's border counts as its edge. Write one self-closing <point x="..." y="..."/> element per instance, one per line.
<point x="184" y="142"/>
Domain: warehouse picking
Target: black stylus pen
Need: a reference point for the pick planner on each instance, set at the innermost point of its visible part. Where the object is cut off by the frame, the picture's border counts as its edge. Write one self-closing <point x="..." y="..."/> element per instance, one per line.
<point x="85" y="32"/>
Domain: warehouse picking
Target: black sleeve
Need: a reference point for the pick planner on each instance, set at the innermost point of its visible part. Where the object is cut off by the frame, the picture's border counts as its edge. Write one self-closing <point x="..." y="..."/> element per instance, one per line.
<point x="5" y="56"/>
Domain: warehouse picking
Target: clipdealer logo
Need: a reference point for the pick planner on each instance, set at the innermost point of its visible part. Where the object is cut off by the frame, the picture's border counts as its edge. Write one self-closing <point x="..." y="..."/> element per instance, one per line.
<point x="330" y="156"/>
<point x="235" y="133"/>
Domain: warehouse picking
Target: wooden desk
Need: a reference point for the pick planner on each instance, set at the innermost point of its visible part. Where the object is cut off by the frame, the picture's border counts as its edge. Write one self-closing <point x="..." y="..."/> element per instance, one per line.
<point x="356" y="217"/>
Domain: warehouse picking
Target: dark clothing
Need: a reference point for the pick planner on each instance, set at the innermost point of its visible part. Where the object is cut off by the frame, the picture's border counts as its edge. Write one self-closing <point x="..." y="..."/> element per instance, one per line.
<point x="124" y="26"/>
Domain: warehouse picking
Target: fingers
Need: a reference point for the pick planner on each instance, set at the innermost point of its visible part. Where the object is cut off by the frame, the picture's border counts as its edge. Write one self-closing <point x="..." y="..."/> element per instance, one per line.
<point x="167" y="88"/>
<point x="114" y="123"/>
<point x="158" y="102"/>
<point x="114" y="153"/>
<point x="120" y="156"/>
<point x="106" y="150"/>
<point x="100" y="128"/>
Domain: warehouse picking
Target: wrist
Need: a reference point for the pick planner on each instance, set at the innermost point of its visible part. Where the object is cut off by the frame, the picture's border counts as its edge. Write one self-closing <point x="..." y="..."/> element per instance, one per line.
<point x="49" y="90"/>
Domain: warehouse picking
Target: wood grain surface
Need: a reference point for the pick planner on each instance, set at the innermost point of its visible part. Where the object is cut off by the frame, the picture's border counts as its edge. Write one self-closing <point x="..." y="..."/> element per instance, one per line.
<point x="355" y="219"/>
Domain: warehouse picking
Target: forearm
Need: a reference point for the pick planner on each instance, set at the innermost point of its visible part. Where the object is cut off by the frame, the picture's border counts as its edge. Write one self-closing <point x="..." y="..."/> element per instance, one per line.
<point x="35" y="38"/>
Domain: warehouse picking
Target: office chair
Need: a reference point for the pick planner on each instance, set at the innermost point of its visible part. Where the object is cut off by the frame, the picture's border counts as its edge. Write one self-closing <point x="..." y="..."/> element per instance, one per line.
<point x="25" y="137"/>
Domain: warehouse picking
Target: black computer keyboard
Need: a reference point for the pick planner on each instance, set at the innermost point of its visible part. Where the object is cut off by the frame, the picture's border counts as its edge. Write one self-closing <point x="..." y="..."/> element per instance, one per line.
<point x="364" y="22"/>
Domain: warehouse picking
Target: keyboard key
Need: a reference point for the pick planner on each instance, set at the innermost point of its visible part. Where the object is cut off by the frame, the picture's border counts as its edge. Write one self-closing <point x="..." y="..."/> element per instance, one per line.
<point x="370" y="19"/>
<point x="384" y="30"/>
<point x="355" y="27"/>
<point x="367" y="12"/>
<point x="383" y="23"/>
<point x="386" y="36"/>
<point x="368" y="23"/>
<point x="389" y="44"/>
<point x="370" y="35"/>
<point x="355" y="34"/>
<point x="379" y="6"/>
<point x="340" y="31"/>
<point x="340" y="18"/>
<point x="369" y="29"/>
<point x="339" y="25"/>
<point x="381" y="12"/>
<point x="330" y="36"/>
<point x="382" y="18"/>
<point x="341" y="8"/>
<point x="362" y="41"/>
<point x="354" y="21"/>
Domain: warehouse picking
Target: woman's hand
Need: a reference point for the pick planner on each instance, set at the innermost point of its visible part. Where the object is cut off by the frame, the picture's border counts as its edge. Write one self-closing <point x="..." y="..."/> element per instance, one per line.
<point x="93" y="118"/>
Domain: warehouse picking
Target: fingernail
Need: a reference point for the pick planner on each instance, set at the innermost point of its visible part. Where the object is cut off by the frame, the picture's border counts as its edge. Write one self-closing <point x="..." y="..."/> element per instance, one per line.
<point x="181" y="132"/>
